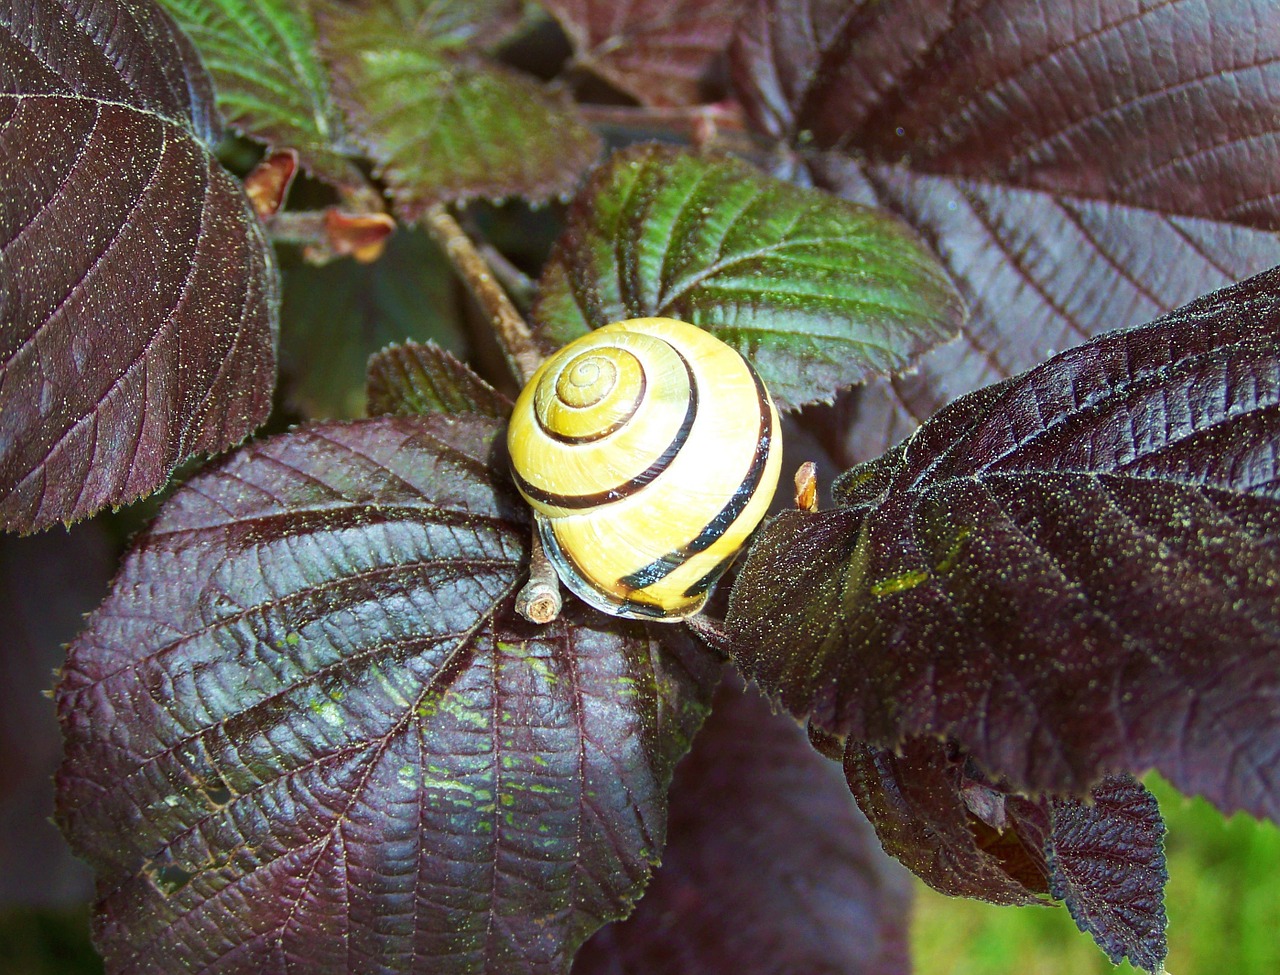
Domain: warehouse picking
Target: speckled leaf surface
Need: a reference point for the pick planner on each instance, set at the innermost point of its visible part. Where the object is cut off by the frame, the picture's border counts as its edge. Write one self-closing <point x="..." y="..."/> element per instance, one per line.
<point x="268" y="80"/>
<point x="442" y="123"/>
<point x="963" y="834"/>
<point x="305" y="732"/>
<point x="1078" y="166"/>
<point x="137" y="292"/>
<point x="661" y="52"/>
<point x="769" y="867"/>
<point x="921" y="801"/>
<point x="1107" y="864"/>
<point x="818" y="293"/>
<point x="1073" y="572"/>
<point x="419" y="377"/>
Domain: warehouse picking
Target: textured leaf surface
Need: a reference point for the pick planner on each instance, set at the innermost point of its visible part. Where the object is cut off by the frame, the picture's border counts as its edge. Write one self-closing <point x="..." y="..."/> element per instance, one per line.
<point x="965" y="835"/>
<point x="337" y="315"/>
<point x="1107" y="863"/>
<point x="769" y="867"/>
<point x="819" y="294"/>
<point x="441" y="124"/>
<point x="267" y="77"/>
<point x="137" y="292"/>
<point x="1152" y="183"/>
<point x="1072" y="572"/>
<point x="661" y="52"/>
<point x="921" y="803"/>
<point x="306" y="732"/>
<point x="419" y="378"/>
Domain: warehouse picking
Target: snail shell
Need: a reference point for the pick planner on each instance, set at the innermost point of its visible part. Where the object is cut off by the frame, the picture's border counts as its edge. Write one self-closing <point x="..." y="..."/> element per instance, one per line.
<point x="649" y="451"/>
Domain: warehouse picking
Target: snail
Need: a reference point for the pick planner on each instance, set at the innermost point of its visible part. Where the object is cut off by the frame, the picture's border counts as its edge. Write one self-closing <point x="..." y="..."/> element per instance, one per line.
<point x="649" y="451"/>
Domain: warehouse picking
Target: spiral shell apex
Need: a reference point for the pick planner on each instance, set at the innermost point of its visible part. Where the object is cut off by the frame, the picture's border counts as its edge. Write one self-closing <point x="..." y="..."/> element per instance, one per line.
<point x="649" y="450"/>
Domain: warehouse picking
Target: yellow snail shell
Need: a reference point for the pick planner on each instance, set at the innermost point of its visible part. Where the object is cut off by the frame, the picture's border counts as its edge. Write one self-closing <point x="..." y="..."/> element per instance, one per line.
<point x="649" y="450"/>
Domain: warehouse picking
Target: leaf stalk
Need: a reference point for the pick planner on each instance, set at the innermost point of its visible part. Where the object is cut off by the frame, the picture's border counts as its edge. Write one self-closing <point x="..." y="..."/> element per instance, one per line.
<point x="509" y="326"/>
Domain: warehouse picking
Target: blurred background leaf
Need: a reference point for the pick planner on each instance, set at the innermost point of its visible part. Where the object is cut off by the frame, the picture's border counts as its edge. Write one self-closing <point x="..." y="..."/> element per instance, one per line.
<point x="337" y="315"/>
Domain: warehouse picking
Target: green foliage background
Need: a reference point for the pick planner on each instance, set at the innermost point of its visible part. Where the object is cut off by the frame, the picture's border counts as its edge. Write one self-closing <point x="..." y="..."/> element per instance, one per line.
<point x="1223" y="901"/>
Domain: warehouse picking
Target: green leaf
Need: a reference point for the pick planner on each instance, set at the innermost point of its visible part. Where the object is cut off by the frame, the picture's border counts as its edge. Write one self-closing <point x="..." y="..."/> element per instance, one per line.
<point x="443" y="124"/>
<point x="414" y="378"/>
<point x="268" y="80"/>
<point x="337" y="315"/>
<point x="819" y="293"/>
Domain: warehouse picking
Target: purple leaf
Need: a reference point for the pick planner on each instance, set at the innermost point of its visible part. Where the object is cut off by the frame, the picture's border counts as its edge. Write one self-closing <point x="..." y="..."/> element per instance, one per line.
<point x="1073" y="572"/>
<point x="768" y="869"/>
<point x="1077" y="165"/>
<point x="945" y="823"/>
<point x="661" y="52"/>
<point x="137" y="290"/>
<point x="965" y="835"/>
<point x="1107" y="864"/>
<point x="307" y="732"/>
<point x="419" y="378"/>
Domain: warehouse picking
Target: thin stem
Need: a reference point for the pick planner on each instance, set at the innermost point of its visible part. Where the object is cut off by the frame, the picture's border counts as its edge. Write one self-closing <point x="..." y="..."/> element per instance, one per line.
<point x="715" y="126"/>
<point x="519" y="286"/>
<point x="512" y="332"/>
<point x="686" y="120"/>
<point x="539" y="600"/>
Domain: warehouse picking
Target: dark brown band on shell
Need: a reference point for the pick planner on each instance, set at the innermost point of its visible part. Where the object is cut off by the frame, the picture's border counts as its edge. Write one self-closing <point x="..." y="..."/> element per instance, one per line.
<point x="600" y="434"/>
<point x="629" y="487"/>
<point x="663" y="566"/>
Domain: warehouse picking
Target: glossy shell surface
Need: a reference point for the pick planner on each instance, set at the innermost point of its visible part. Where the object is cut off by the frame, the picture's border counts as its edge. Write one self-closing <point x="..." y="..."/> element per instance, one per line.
<point x="649" y="451"/>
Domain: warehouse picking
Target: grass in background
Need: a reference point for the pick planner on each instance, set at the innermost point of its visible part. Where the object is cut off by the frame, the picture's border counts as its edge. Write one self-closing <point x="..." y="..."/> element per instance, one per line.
<point x="1223" y="901"/>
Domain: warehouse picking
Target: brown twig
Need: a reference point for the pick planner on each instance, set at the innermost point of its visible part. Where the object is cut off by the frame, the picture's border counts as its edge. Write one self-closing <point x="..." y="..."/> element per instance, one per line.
<point x="539" y="601"/>
<point x="686" y="120"/>
<point x="512" y="331"/>
<point x="719" y="125"/>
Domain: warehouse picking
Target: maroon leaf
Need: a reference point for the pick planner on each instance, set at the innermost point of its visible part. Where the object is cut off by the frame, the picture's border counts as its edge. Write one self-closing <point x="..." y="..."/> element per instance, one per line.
<point x="662" y="52"/>
<point x="1107" y="862"/>
<point x="307" y="732"/>
<point x="1078" y="166"/>
<point x="922" y="803"/>
<point x="769" y="868"/>
<point x="1073" y="572"/>
<point x="964" y="835"/>
<point x="423" y="378"/>
<point x="137" y="290"/>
